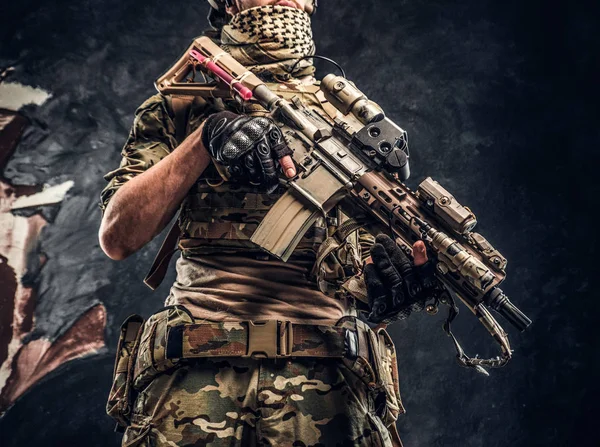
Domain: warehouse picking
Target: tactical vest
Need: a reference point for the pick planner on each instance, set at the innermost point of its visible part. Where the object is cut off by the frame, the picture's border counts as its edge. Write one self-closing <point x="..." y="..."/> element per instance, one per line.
<point x="220" y="217"/>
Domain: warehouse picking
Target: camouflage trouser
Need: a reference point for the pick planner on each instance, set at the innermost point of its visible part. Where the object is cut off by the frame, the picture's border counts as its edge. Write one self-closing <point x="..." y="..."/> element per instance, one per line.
<point x="246" y="402"/>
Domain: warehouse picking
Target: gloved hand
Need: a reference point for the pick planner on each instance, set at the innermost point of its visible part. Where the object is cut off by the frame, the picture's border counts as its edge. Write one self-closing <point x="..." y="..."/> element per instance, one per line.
<point x="248" y="147"/>
<point x="396" y="287"/>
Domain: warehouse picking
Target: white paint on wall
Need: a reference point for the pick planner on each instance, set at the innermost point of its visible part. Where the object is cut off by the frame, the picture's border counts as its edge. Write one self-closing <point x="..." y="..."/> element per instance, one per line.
<point x="49" y="196"/>
<point x="14" y="95"/>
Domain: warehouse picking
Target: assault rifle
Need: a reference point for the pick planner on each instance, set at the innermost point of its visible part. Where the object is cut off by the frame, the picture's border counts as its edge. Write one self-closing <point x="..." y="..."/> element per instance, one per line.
<point x="358" y="158"/>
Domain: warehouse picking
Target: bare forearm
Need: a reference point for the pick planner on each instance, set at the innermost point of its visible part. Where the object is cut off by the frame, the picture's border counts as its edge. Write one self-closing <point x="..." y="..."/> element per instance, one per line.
<point x="144" y="205"/>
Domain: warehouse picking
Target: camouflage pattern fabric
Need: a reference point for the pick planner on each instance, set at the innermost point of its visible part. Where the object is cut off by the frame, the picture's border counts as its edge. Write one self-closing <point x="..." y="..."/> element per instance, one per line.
<point x="217" y="216"/>
<point x="231" y="339"/>
<point x="151" y="356"/>
<point x="240" y="401"/>
<point x="226" y="215"/>
<point x="119" y="397"/>
<point x="152" y="138"/>
<point x="247" y="402"/>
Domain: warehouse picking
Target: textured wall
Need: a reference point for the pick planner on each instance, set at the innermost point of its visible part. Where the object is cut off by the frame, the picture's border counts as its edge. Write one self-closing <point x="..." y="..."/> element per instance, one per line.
<point x="497" y="100"/>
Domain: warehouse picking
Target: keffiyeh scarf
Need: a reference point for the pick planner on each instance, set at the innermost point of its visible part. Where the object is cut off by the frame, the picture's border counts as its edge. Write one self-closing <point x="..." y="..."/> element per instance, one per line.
<point x="269" y="40"/>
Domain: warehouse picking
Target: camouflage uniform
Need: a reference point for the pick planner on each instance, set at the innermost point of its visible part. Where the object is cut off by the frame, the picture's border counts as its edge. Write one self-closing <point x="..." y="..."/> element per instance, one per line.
<point x="225" y="399"/>
<point x="243" y="402"/>
<point x="216" y="399"/>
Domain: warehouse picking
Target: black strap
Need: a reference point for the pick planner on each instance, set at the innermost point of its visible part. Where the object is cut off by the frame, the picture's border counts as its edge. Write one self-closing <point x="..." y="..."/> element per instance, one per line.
<point x="159" y="266"/>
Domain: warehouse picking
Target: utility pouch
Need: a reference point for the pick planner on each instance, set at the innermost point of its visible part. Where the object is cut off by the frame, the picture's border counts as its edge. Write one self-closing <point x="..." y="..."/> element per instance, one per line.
<point x="386" y="370"/>
<point x="151" y="359"/>
<point x="358" y="351"/>
<point x="120" y="398"/>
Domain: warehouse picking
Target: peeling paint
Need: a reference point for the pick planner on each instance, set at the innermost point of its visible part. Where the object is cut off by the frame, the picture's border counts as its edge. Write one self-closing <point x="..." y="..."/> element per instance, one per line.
<point x="39" y="357"/>
<point x="23" y="363"/>
<point x="48" y="196"/>
<point x="14" y="95"/>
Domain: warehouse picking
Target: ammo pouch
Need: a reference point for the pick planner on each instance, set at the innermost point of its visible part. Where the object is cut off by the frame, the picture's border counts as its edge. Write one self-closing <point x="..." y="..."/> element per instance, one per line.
<point x="120" y="398"/>
<point x="376" y="365"/>
<point x="386" y="369"/>
<point x="151" y="356"/>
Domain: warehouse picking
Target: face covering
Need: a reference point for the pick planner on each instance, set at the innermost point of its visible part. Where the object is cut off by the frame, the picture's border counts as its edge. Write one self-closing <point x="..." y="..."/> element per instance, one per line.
<point x="265" y="37"/>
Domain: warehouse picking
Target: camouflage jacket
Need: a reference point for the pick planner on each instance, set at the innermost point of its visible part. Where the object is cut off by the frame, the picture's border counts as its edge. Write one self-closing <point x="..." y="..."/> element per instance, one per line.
<point x="219" y="216"/>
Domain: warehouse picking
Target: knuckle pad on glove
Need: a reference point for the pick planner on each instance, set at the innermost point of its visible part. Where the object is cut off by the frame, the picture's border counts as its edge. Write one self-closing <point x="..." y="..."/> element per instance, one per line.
<point x="267" y="164"/>
<point x="248" y="146"/>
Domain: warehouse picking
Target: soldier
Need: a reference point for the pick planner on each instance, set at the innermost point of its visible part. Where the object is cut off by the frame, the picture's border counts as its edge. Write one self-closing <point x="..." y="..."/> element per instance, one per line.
<point x="205" y="370"/>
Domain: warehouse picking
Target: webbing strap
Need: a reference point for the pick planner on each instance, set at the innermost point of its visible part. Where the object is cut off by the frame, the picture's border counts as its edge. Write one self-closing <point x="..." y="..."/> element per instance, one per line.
<point x="181" y="111"/>
<point x="159" y="266"/>
<point x="348" y="227"/>
<point x="269" y="339"/>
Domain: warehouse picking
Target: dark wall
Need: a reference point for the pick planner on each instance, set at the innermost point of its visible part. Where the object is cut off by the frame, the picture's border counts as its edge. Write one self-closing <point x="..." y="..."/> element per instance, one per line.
<point x="499" y="101"/>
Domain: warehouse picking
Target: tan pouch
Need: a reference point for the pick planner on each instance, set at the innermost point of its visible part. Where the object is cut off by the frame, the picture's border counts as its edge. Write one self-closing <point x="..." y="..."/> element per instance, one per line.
<point x="375" y="364"/>
<point x="151" y="359"/>
<point x="386" y="370"/>
<point x="120" y="398"/>
<point x="358" y="362"/>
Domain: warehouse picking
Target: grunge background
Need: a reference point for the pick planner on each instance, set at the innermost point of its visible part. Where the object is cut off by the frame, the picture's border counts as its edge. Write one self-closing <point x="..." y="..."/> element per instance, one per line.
<point x="500" y="103"/>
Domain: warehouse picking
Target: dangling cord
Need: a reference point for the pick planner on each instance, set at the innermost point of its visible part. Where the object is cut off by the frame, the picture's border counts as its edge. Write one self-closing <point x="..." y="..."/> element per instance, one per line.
<point x="390" y="220"/>
<point x="291" y="70"/>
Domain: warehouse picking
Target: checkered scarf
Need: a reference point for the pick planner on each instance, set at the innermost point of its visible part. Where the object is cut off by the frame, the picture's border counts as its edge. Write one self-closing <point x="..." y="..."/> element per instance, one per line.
<point x="262" y="38"/>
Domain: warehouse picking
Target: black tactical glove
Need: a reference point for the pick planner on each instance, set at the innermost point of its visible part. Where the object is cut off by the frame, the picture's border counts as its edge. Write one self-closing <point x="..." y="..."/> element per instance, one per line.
<point x="249" y="147"/>
<point x="395" y="287"/>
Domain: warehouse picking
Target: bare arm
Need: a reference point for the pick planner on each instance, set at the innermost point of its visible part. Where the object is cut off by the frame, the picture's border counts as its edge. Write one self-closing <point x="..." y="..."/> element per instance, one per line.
<point x="144" y="205"/>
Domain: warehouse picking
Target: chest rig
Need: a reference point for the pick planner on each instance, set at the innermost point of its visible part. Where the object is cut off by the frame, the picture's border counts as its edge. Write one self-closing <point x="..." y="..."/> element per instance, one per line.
<point x="219" y="217"/>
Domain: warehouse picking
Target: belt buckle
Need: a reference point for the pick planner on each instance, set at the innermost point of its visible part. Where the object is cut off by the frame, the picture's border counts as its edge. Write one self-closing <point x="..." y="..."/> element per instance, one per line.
<point x="267" y="339"/>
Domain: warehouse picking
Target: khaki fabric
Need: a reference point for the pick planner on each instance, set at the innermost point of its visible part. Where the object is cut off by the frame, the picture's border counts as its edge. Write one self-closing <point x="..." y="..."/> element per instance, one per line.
<point x="270" y="40"/>
<point x="235" y="288"/>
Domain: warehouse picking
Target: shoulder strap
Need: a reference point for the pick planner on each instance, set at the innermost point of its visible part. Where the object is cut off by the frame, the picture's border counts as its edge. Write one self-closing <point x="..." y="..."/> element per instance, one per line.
<point x="159" y="266"/>
<point x="181" y="112"/>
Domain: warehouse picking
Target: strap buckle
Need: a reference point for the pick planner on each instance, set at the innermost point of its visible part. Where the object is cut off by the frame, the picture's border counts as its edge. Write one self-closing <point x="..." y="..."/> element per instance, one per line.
<point x="269" y="339"/>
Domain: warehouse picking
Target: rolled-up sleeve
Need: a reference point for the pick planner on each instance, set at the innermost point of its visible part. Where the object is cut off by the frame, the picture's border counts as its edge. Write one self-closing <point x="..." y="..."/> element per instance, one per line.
<point x="152" y="138"/>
